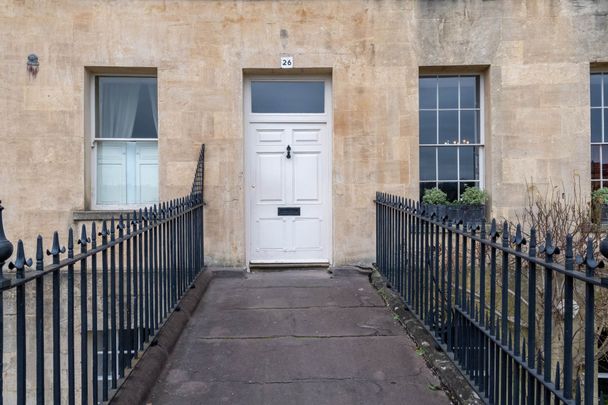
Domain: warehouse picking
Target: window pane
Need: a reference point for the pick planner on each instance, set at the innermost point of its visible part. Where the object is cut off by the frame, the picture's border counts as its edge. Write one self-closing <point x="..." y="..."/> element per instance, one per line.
<point x="596" y="125"/>
<point x="451" y="189"/>
<point x="447" y="163"/>
<point x="605" y="89"/>
<point x="469" y="126"/>
<point x="595" y="162"/>
<point x="468" y="184"/>
<point x="282" y="97"/>
<point x="428" y="127"/>
<point x="448" y="127"/>
<point x="605" y="110"/>
<point x="145" y="119"/>
<point x="127" y="173"/>
<point x="469" y="92"/>
<point x="146" y="182"/>
<point x="596" y="90"/>
<point x="428" y="92"/>
<point x="469" y="163"/>
<point x="427" y="164"/>
<point x="111" y="173"/>
<point x="595" y="185"/>
<point x="448" y="92"/>
<point x="605" y="161"/>
<point x="426" y="186"/>
<point x="127" y="107"/>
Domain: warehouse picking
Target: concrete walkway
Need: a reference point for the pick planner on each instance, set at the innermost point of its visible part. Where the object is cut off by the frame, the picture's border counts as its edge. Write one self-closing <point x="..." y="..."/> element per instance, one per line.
<point x="295" y="337"/>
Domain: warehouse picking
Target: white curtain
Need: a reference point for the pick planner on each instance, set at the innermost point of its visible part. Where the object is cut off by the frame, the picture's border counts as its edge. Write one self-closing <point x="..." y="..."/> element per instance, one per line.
<point x="118" y="107"/>
<point x="153" y="95"/>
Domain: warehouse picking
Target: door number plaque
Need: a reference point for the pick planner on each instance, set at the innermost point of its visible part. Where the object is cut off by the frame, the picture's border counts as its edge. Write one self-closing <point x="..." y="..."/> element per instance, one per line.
<point x="286" y="62"/>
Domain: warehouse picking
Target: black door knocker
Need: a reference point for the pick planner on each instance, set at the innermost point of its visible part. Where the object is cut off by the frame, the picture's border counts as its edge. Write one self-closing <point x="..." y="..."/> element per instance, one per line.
<point x="288" y="152"/>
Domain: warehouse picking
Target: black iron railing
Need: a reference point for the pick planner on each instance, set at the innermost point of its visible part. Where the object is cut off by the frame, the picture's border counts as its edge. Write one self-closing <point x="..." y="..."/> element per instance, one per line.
<point x="120" y="284"/>
<point x="480" y="295"/>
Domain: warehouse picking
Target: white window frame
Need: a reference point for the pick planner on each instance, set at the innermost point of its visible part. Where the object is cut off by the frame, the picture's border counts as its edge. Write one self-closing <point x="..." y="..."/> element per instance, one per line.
<point x="94" y="141"/>
<point x="480" y="145"/>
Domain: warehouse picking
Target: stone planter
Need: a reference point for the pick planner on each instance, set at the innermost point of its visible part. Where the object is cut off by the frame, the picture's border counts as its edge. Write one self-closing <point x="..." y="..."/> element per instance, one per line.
<point x="472" y="215"/>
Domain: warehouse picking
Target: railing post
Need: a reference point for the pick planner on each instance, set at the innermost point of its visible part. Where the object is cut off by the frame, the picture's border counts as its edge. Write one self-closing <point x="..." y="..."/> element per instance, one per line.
<point x="519" y="241"/>
<point x="121" y="298"/>
<point x="531" y="314"/>
<point x="591" y="264"/>
<point x="550" y="250"/>
<point x="104" y="310"/>
<point x="56" y="251"/>
<point x="95" y="360"/>
<point x="113" y="334"/>
<point x="84" y="352"/>
<point x="568" y="315"/>
<point x="19" y="266"/>
<point x="39" y="323"/>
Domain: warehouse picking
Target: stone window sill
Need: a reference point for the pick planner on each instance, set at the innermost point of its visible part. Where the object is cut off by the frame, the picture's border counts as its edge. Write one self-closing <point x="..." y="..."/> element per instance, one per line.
<point x="99" y="215"/>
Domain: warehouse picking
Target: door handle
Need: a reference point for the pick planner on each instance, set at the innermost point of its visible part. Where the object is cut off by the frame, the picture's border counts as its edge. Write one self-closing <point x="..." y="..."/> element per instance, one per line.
<point x="288" y="152"/>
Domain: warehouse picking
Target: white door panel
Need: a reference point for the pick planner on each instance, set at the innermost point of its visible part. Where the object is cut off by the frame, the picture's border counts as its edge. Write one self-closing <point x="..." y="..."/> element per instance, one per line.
<point x="306" y="177"/>
<point x="298" y="187"/>
<point x="270" y="177"/>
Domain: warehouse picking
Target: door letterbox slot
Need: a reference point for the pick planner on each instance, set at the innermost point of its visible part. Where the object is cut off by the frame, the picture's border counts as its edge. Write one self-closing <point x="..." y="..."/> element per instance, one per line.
<point x="289" y="211"/>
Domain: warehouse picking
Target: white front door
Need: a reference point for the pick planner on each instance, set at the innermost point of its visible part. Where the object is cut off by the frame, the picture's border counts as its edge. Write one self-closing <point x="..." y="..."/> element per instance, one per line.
<point x="288" y="149"/>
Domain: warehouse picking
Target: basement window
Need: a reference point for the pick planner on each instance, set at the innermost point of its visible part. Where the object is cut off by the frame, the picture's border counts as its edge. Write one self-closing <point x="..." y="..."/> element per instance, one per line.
<point x="450" y="133"/>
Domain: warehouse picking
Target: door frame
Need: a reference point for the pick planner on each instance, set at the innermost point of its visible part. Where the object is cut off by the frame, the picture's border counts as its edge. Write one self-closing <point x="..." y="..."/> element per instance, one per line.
<point x="247" y="144"/>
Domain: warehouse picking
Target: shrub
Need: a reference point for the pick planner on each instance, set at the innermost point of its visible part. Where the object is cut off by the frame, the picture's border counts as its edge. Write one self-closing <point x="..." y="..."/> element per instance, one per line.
<point x="473" y="196"/>
<point x="434" y="196"/>
<point x="600" y="195"/>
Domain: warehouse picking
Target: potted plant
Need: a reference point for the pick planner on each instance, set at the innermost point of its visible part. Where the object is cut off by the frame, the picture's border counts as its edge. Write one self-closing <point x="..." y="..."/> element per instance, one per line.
<point x="599" y="202"/>
<point x="435" y="202"/>
<point x="472" y="205"/>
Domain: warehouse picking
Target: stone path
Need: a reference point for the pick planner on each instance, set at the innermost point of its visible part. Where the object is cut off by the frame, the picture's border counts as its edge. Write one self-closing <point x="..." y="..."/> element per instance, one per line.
<point x="295" y="337"/>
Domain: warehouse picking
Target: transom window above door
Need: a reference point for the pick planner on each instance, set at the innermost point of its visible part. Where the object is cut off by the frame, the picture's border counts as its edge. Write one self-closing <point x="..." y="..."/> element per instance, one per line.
<point x="287" y="97"/>
<point x="450" y="134"/>
<point x="126" y="142"/>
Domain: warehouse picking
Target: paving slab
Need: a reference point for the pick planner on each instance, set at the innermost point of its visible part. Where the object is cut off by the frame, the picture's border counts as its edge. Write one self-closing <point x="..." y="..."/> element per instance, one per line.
<point x="301" y="337"/>
<point x="298" y="322"/>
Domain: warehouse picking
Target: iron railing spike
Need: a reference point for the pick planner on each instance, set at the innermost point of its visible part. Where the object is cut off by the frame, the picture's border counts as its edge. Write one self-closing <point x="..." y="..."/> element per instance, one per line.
<point x="121" y="222"/>
<point x="104" y="228"/>
<point x="39" y="253"/>
<point x="532" y="247"/>
<point x="20" y="262"/>
<point x="84" y="238"/>
<point x="56" y="248"/>
<point x="494" y="230"/>
<point x="482" y="228"/>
